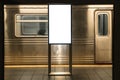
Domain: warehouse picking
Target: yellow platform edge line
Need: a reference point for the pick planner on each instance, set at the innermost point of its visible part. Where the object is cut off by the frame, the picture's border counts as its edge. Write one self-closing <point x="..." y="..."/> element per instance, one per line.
<point x="39" y="66"/>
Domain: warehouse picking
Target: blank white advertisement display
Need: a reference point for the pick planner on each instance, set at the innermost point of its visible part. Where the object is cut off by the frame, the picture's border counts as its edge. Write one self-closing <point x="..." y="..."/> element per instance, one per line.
<point x="59" y="23"/>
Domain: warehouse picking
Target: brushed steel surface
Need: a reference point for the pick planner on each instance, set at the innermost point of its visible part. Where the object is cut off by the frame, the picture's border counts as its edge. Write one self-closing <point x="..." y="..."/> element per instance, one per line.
<point x="103" y="44"/>
<point x="97" y="6"/>
<point x="84" y="41"/>
<point x="82" y="34"/>
<point x="34" y="50"/>
<point x="26" y="6"/>
<point x="60" y="54"/>
<point x="26" y="50"/>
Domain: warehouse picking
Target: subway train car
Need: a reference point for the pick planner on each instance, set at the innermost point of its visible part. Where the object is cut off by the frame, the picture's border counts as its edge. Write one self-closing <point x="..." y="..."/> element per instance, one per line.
<point x="26" y="34"/>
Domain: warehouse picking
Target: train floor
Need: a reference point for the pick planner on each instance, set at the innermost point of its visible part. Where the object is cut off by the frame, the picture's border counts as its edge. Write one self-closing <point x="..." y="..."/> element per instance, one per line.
<point x="40" y="72"/>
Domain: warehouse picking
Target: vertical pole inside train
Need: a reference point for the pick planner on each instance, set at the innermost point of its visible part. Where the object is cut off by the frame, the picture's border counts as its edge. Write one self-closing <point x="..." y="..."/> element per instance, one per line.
<point x="59" y="40"/>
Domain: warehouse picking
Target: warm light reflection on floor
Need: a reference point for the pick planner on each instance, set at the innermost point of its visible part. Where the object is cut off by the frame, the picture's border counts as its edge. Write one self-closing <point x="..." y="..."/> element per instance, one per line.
<point x="60" y="73"/>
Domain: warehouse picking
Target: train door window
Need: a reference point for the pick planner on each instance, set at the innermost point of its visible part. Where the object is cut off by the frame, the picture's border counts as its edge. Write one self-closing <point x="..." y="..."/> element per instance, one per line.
<point x="103" y="24"/>
<point x="28" y="25"/>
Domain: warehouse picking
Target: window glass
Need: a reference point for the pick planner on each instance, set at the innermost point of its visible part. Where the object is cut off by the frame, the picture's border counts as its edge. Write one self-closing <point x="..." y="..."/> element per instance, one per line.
<point x="27" y="25"/>
<point x="33" y="28"/>
<point x="30" y="28"/>
<point x="102" y="24"/>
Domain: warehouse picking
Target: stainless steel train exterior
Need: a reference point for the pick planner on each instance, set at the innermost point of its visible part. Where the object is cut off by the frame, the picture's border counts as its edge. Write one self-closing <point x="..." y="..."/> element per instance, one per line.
<point x="91" y="34"/>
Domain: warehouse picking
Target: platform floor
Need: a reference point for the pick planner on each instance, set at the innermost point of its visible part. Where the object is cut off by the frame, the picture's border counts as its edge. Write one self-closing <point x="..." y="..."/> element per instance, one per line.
<point x="89" y="72"/>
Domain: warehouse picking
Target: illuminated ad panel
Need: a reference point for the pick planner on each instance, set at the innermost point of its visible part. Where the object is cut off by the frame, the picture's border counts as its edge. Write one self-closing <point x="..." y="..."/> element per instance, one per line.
<point x="59" y="23"/>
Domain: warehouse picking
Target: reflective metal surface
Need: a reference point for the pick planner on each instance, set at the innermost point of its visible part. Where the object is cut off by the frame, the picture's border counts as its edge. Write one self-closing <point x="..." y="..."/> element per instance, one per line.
<point x="82" y="34"/>
<point x="60" y="54"/>
<point x="23" y="50"/>
<point x="103" y="43"/>
<point x="87" y="47"/>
